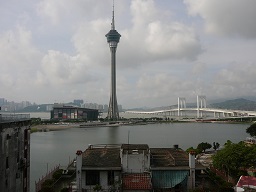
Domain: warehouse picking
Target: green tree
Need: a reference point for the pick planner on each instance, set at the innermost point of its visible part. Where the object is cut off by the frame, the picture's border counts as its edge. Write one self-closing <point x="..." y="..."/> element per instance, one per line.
<point x="251" y="130"/>
<point x="192" y="149"/>
<point x="46" y="186"/>
<point x="216" y="146"/>
<point x="36" y="121"/>
<point x="203" y="146"/>
<point x="57" y="174"/>
<point x="97" y="188"/>
<point x="234" y="158"/>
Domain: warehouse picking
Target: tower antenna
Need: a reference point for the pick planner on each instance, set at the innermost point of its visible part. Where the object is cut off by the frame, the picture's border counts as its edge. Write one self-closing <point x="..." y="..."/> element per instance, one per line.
<point x="113" y="17"/>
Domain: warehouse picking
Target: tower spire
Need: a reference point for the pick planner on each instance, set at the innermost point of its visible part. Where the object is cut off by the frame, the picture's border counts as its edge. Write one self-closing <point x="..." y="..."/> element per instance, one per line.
<point x="113" y="17"/>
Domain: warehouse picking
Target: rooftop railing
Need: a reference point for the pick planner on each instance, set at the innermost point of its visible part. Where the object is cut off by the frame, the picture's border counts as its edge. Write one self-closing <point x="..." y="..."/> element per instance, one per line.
<point x="13" y="117"/>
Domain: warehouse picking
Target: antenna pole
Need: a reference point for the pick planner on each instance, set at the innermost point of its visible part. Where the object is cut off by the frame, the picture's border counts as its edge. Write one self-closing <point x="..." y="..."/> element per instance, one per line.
<point x="128" y="137"/>
<point x="113" y="17"/>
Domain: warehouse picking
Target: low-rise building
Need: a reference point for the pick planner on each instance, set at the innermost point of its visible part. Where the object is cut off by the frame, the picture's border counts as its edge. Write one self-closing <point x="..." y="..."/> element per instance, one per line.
<point x="135" y="167"/>
<point x="64" y="112"/>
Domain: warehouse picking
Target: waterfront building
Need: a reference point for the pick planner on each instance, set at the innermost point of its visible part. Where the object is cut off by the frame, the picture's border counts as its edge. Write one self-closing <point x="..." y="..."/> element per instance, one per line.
<point x="14" y="152"/>
<point x="135" y="167"/>
<point x="113" y="38"/>
<point x="65" y="112"/>
<point x="48" y="107"/>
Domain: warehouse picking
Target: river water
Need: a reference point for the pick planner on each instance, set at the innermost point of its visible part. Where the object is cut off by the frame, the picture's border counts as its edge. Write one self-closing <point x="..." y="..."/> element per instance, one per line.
<point x="49" y="149"/>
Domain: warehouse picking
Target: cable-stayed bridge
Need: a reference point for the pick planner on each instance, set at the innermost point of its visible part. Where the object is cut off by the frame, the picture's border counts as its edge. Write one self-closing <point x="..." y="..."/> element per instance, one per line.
<point x="201" y="111"/>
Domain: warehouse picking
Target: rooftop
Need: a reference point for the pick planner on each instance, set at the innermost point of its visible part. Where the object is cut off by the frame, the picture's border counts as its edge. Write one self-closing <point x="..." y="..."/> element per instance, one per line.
<point x="168" y="157"/>
<point x="102" y="156"/>
<point x="137" y="181"/>
<point x="135" y="148"/>
<point x="108" y="156"/>
<point x="5" y="118"/>
<point x="247" y="181"/>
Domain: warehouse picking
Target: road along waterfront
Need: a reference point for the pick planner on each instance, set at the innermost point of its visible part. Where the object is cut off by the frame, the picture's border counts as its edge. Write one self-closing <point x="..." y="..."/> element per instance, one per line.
<point x="49" y="149"/>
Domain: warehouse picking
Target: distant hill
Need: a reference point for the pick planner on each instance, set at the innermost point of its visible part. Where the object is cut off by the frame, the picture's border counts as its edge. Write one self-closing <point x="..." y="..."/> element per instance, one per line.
<point x="35" y="108"/>
<point x="239" y="104"/>
<point x="236" y="104"/>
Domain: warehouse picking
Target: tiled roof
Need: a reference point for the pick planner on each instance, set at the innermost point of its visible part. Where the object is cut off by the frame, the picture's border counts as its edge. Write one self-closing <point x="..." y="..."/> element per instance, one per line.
<point x="107" y="157"/>
<point x="246" y="181"/>
<point x="139" y="181"/>
<point x="101" y="157"/>
<point x="168" y="157"/>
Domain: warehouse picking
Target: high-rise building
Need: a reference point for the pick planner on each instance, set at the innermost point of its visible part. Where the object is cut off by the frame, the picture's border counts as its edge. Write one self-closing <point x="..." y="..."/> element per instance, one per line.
<point x="78" y="102"/>
<point x="14" y="152"/>
<point x="113" y="38"/>
<point x="3" y="101"/>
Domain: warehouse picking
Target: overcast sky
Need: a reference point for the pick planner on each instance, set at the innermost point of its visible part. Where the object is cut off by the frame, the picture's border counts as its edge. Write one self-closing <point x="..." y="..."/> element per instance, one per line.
<point x="56" y="50"/>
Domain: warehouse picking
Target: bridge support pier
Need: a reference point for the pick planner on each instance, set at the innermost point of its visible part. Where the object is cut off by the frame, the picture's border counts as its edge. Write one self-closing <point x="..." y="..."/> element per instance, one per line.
<point x="181" y="105"/>
<point x="216" y="114"/>
<point x="201" y="103"/>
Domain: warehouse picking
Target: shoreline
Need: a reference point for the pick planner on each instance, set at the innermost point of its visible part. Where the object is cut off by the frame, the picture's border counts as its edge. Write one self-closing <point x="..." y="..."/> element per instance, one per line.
<point x="52" y="127"/>
<point x="56" y="127"/>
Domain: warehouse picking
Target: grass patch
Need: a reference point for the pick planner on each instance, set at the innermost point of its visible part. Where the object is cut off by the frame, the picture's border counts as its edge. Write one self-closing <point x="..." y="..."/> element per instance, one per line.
<point x="33" y="130"/>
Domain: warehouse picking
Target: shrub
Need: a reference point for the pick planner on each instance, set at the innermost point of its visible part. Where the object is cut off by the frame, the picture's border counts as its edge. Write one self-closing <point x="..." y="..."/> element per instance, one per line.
<point x="57" y="174"/>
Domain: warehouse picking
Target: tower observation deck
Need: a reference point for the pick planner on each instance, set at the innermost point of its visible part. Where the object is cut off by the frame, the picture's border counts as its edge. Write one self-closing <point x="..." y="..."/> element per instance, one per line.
<point x="113" y="38"/>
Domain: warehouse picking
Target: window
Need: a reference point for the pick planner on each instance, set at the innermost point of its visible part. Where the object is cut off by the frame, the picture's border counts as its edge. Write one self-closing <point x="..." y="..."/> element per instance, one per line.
<point x="8" y="136"/>
<point x="92" y="177"/>
<point x="7" y="163"/>
<point x="111" y="177"/>
<point x="26" y="135"/>
<point x="18" y="157"/>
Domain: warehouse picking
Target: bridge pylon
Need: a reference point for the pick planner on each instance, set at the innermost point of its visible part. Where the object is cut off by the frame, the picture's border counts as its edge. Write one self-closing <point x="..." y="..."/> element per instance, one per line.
<point x="181" y="104"/>
<point x="201" y="103"/>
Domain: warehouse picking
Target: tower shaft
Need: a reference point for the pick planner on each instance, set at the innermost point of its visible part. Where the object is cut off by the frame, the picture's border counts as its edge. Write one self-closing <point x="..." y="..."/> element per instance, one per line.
<point x="113" y="112"/>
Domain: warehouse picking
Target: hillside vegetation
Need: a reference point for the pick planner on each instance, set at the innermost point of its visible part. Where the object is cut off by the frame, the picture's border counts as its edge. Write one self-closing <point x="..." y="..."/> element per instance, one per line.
<point x="239" y="104"/>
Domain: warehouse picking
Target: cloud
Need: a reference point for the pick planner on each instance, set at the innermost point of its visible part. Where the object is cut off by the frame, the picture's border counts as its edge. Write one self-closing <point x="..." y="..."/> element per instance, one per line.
<point x="229" y="17"/>
<point x="174" y="41"/>
<point x="91" y="44"/>
<point x="198" y="68"/>
<point x="65" y="12"/>
<point x="164" y="87"/>
<point x="154" y="37"/>
<point x="19" y="56"/>
<point x="231" y="81"/>
<point x="58" y="50"/>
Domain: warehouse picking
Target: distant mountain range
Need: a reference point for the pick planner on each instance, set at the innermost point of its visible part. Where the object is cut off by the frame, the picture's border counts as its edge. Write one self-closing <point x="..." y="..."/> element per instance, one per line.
<point x="35" y="108"/>
<point x="238" y="104"/>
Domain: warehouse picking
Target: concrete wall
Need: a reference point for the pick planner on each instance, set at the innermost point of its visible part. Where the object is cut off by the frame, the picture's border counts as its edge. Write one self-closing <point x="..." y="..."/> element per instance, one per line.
<point x="135" y="163"/>
<point x="103" y="180"/>
<point x="15" y="156"/>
